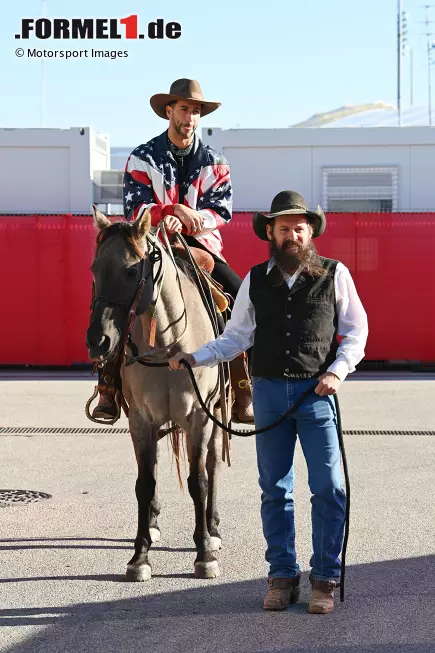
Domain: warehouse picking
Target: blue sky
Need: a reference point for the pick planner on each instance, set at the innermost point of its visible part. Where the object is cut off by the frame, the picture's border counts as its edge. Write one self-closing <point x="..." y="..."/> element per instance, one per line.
<point x="271" y="64"/>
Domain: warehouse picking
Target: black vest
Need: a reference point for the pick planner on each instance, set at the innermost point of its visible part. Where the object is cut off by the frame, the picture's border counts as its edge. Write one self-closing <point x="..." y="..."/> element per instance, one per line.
<point x="296" y="329"/>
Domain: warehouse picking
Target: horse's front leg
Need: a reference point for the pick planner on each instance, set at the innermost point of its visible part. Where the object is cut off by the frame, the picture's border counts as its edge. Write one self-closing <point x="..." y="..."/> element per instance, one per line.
<point x="144" y="437"/>
<point x="206" y="565"/>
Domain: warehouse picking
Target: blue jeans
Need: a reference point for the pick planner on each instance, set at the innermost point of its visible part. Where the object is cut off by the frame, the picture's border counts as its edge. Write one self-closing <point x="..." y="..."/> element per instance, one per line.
<point x="315" y="423"/>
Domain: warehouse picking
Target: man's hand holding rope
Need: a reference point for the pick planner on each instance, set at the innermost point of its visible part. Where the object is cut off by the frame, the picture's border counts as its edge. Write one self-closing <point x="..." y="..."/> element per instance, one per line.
<point x="328" y="384"/>
<point x="175" y="364"/>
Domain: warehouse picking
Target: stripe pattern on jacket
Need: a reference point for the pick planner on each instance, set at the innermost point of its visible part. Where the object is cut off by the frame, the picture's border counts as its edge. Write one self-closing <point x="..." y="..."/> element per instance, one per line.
<point x="151" y="182"/>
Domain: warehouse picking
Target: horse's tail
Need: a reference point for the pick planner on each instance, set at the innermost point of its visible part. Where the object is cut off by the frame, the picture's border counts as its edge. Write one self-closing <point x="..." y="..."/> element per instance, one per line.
<point x="178" y="449"/>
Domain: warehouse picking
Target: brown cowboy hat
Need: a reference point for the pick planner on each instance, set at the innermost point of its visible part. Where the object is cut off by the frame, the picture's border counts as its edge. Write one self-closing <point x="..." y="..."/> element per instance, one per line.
<point x="288" y="202"/>
<point x="182" y="89"/>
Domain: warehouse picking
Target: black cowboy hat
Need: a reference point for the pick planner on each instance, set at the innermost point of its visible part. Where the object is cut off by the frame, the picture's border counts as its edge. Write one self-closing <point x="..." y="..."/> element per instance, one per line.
<point x="182" y="89"/>
<point x="288" y="202"/>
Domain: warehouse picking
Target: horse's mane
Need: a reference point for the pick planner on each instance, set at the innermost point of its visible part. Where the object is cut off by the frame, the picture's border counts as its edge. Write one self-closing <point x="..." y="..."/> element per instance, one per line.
<point x="118" y="227"/>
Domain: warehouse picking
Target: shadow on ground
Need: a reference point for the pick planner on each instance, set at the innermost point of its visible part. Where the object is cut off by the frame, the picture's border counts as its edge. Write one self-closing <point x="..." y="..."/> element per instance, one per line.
<point x="32" y="544"/>
<point x="389" y="608"/>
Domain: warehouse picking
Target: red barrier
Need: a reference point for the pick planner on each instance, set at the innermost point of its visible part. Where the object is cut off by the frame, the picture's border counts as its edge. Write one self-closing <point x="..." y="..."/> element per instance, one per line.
<point x="46" y="283"/>
<point x="44" y="266"/>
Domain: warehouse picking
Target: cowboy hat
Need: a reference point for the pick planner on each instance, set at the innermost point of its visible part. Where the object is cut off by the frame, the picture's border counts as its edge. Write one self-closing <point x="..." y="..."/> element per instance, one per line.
<point x="288" y="202"/>
<point x="182" y="89"/>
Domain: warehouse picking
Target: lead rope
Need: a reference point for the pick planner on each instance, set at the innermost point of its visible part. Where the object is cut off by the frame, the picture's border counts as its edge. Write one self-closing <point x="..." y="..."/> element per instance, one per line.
<point x="347" y="483"/>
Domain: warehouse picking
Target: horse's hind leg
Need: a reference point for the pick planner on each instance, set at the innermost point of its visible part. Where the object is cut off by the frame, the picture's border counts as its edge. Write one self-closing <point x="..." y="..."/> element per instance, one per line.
<point x="214" y="457"/>
<point x="145" y="444"/>
<point x="206" y="565"/>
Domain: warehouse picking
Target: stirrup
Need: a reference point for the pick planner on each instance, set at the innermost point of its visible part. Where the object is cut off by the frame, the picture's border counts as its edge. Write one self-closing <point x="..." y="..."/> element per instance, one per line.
<point x="105" y="422"/>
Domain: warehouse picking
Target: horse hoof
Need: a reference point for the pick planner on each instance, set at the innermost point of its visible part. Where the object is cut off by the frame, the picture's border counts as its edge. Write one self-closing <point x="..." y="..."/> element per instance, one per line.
<point x="215" y="543"/>
<point x="207" y="569"/>
<point x="155" y="535"/>
<point x="138" y="574"/>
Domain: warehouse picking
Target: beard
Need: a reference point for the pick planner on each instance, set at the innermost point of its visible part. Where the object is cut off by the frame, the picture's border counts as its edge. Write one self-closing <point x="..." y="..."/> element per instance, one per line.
<point x="290" y="256"/>
<point x="178" y="127"/>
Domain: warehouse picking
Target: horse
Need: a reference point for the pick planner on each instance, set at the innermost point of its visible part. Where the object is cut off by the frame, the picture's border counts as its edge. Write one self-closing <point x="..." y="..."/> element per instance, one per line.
<point x="126" y="254"/>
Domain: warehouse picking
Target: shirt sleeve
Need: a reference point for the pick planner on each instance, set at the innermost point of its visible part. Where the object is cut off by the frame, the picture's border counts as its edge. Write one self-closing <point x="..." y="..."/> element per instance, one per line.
<point x="352" y="324"/>
<point x="139" y="192"/>
<point x="238" y="335"/>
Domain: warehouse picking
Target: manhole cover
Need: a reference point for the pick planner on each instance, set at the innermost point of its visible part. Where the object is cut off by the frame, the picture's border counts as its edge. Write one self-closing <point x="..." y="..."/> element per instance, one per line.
<point x="15" y="497"/>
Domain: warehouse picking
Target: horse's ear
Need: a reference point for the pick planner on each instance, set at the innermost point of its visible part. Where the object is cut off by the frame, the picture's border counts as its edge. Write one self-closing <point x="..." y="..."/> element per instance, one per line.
<point x="142" y="225"/>
<point x="100" y="220"/>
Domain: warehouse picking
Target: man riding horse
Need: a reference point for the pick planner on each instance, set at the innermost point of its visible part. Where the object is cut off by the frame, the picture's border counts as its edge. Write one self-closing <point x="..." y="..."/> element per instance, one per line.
<point x="187" y="184"/>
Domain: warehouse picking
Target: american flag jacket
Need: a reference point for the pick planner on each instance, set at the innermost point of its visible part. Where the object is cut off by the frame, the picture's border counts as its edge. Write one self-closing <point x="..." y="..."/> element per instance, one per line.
<point x="151" y="182"/>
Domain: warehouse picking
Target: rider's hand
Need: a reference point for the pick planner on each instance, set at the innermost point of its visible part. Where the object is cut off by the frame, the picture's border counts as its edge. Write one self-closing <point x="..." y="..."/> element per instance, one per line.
<point x="174" y="362"/>
<point x="192" y="220"/>
<point x="328" y="384"/>
<point x="172" y="224"/>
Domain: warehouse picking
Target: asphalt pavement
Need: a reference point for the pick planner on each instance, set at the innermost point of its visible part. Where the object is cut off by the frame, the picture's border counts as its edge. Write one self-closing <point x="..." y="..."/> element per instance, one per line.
<point x="63" y="559"/>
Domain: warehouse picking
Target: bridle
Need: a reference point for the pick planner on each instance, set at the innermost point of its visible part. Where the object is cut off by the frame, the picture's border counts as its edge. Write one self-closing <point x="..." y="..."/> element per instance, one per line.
<point x="143" y="278"/>
<point x="155" y="255"/>
<point x="147" y="264"/>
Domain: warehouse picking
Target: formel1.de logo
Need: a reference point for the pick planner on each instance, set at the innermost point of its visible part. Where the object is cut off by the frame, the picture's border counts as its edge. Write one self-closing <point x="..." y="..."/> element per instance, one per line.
<point x="96" y="28"/>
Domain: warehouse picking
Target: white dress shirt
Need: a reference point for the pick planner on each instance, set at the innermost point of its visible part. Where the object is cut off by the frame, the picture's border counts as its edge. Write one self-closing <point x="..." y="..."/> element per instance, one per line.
<point x="239" y="332"/>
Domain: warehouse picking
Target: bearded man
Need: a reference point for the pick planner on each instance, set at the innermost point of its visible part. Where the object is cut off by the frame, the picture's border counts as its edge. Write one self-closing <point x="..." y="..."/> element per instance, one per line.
<point x="290" y="309"/>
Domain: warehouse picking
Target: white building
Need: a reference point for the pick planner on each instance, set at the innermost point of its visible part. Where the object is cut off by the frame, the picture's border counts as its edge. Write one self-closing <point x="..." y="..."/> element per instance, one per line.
<point x="342" y="169"/>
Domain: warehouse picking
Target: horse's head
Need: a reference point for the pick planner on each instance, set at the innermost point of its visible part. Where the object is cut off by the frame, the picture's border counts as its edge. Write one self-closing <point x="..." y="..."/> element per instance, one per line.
<point x="121" y="260"/>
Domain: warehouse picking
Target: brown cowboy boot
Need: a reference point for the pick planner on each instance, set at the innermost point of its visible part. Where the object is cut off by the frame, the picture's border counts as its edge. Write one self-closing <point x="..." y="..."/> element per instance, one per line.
<point x="108" y="386"/>
<point x="281" y="592"/>
<point x="106" y="407"/>
<point x="241" y="385"/>
<point x="322" y="599"/>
